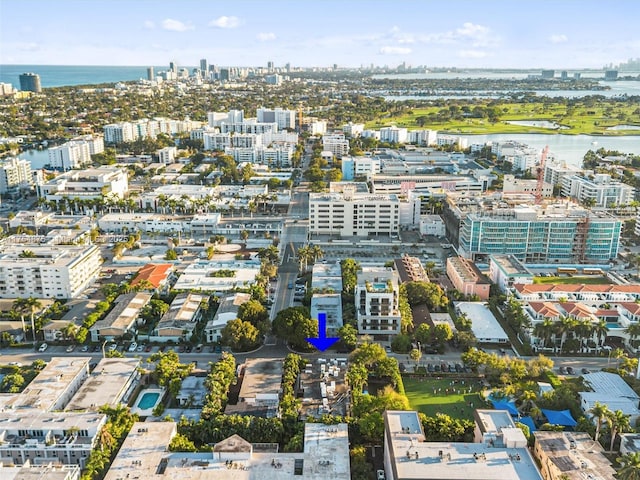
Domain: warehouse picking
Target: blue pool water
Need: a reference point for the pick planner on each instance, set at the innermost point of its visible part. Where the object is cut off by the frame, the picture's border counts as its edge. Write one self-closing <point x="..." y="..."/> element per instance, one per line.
<point x="148" y="400"/>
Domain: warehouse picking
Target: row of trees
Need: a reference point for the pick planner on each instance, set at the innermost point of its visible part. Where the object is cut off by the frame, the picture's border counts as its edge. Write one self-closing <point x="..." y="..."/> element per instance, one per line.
<point x="218" y="382"/>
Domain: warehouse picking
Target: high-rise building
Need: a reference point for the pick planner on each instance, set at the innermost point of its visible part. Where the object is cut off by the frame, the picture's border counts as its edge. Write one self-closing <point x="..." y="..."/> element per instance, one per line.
<point x="204" y="66"/>
<point x="15" y="173"/>
<point x="173" y="67"/>
<point x="30" y="82"/>
<point x="150" y="75"/>
<point x="270" y="66"/>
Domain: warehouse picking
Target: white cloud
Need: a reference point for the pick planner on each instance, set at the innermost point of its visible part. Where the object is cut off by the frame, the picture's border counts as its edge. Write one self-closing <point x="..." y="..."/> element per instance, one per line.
<point x="266" y="37"/>
<point x="558" y="38"/>
<point x="395" y="50"/>
<point x="149" y="24"/>
<point x="225" y="22"/>
<point x="472" y="54"/>
<point x="175" y="25"/>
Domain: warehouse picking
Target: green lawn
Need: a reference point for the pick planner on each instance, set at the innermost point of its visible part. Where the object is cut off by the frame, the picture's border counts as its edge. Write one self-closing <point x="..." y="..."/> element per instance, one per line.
<point x="458" y="403"/>
<point x="574" y="280"/>
<point x="584" y="117"/>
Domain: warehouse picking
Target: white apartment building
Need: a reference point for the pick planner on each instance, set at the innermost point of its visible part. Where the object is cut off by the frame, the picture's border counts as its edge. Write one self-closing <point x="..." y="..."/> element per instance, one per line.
<point x="86" y="184"/>
<point x="167" y="155"/>
<point x="36" y="436"/>
<point x="215" y="119"/>
<point x="423" y="137"/>
<point x="53" y="387"/>
<point x="393" y="134"/>
<point x="353" y="129"/>
<point x="554" y="172"/>
<point x="331" y="305"/>
<point x="458" y="142"/>
<point x="286" y="119"/>
<point x="353" y="167"/>
<point x="275" y="157"/>
<point x="56" y="271"/>
<point x="115" y="133"/>
<point x="335" y="143"/>
<point x="180" y="321"/>
<point x="599" y="189"/>
<point x="144" y="222"/>
<point x="377" y="304"/>
<point x="15" y="173"/>
<point x="318" y="127"/>
<point x="249" y="126"/>
<point x="75" y="153"/>
<point x="350" y="214"/>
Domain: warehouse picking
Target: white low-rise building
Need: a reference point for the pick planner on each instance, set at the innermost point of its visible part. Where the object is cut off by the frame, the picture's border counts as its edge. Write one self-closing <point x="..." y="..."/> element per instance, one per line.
<point x="15" y="174"/>
<point x="507" y="270"/>
<point x="180" y="321"/>
<point x="86" y="184"/>
<point x="218" y="276"/>
<point x="47" y="271"/>
<point x="432" y="225"/>
<point x="227" y="311"/>
<point x="123" y="318"/>
<point x="53" y="387"/>
<point x="611" y="390"/>
<point x="37" y="436"/>
<point x="331" y="305"/>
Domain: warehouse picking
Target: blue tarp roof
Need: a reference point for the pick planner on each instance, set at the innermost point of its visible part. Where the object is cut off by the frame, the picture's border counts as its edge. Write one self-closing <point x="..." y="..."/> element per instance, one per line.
<point x="528" y="421"/>
<point x="507" y="405"/>
<point x="560" y="417"/>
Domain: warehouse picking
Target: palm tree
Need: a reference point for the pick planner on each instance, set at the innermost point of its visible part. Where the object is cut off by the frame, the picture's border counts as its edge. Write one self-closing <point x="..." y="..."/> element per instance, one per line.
<point x="633" y="330"/>
<point x="30" y="304"/>
<point x="599" y="412"/>
<point x="544" y="330"/>
<point x="19" y="308"/>
<point x="601" y="330"/>
<point x="630" y="469"/>
<point x="618" y="423"/>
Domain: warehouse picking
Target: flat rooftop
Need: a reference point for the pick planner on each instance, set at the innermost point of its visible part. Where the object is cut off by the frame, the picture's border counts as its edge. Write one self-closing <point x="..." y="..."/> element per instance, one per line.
<point x="510" y="265"/>
<point x="261" y="376"/>
<point x="483" y="324"/>
<point x="575" y="454"/>
<point x="50" y="471"/>
<point x="493" y="420"/>
<point x="144" y="455"/>
<point x="125" y="311"/>
<point x="45" y="390"/>
<point x="106" y="385"/>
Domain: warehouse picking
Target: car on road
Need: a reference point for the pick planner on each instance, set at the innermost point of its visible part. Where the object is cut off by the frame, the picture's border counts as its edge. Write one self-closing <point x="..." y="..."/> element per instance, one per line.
<point x="43" y="347"/>
<point x="15" y="364"/>
<point x="380" y="475"/>
<point x="70" y="348"/>
<point x="571" y="371"/>
<point x="113" y="347"/>
<point x="133" y="346"/>
<point x="562" y="370"/>
<point x="430" y="368"/>
<point x="140" y="348"/>
<point x="290" y="286"/>
<point x="148" y="348"/>
<point x="199" y="348"/>
<point x="585" y="371"/>
<point x="188" y="348"/>
<point x="85" y="348"/>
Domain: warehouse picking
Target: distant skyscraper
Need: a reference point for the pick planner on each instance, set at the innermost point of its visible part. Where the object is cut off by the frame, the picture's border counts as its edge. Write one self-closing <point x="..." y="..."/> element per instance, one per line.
<point x="30" y="82"/>
<point x="150" y="75"/>
<point x="204" y="66"/>
<point x="173" y="67"/>
<point x="270" y="66"/>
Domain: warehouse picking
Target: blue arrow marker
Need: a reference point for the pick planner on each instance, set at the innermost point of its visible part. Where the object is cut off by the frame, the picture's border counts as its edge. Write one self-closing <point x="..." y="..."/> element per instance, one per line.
<point x="322" y="342"/>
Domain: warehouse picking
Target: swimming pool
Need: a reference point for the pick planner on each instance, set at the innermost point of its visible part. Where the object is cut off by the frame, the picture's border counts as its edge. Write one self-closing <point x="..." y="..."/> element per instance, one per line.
<point x="147" y="400"/>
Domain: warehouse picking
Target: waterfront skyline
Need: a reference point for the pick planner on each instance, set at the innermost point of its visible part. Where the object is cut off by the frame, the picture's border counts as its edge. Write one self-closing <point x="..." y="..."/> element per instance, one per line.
<point x="459" y="33"/>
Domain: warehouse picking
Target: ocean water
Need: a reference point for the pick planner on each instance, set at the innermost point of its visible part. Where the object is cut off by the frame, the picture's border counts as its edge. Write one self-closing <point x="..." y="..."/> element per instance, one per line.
<point x="69" y="75"/>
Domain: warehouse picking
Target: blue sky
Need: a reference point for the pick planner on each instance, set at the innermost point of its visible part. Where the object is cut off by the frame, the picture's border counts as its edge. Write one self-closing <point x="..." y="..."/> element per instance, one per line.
<point x="447" y="33"/>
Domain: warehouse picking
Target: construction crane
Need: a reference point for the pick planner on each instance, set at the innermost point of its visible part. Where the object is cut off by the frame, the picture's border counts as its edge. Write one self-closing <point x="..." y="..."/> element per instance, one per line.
<point x="543" y="160"/>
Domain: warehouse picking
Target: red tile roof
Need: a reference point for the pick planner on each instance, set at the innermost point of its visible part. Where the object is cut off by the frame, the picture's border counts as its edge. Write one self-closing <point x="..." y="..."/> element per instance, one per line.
<point x="156" y="274"/>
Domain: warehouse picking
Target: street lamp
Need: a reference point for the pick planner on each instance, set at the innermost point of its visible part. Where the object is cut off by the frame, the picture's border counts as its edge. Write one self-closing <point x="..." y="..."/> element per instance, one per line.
<point x="103" y="344"/>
